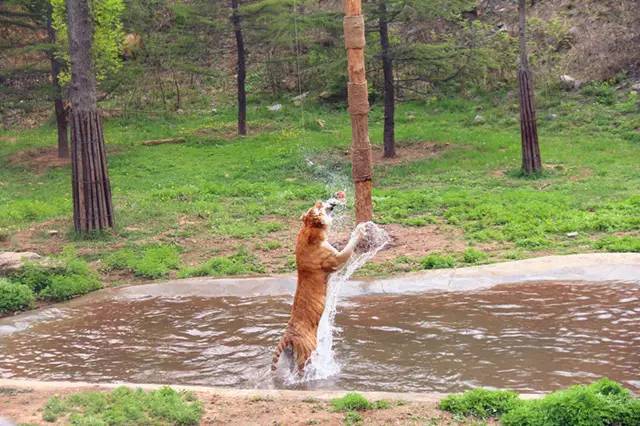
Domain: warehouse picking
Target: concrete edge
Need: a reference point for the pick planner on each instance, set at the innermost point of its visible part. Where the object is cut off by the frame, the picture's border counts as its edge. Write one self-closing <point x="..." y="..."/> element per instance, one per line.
<point x="591" y="267"/>
<point x="282" y="394"/>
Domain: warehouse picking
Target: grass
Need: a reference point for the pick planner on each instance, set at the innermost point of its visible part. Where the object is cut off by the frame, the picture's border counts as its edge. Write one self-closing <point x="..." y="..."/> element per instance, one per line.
<point x="603" y="402"/>
<point x="150" y="261"/>
<point x="125" y="406"/>
<point x="353" y="403"/>
<point x="240" y="263"/>
<point x="226" y="193"/>
<point x="481" y="403"/>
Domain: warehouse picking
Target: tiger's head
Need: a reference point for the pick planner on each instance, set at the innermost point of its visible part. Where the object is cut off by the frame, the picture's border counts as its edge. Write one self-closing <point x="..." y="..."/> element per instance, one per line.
<point x="320" y="215"/>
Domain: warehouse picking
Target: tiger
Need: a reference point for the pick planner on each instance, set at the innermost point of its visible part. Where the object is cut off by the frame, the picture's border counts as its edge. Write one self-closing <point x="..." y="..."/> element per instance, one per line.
<point x="316" y="259"/>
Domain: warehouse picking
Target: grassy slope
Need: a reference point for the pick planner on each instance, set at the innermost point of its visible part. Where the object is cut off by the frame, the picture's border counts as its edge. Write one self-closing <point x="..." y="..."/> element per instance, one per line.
<point x="215" y="194"/>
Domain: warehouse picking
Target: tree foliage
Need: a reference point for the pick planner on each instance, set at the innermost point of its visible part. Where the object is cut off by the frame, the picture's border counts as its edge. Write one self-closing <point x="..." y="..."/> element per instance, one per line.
<point x="108" y="36"/>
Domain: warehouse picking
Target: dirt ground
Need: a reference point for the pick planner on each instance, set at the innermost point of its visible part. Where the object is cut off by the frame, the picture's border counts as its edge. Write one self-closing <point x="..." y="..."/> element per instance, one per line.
<point x="25" y="406"/>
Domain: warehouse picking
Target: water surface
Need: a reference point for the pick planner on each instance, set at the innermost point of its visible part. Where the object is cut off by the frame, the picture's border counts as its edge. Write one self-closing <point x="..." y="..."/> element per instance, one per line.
<point x="526" y="337"/>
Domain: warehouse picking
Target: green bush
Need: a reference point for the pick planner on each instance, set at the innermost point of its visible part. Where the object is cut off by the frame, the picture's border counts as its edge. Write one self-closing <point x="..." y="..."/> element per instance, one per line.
<point x="65" y="278"/>
<point x="239" y="263"/>
<point x="153" y="261"/>
<point x="481" y="403"/>
<point x="14" y="297"/>
<point x="125" y="406"/>
<point x="619" y="244"/>
<point x="437" y="261"/>
<point x="472" y="255"/>
<point x="602" y="403"/>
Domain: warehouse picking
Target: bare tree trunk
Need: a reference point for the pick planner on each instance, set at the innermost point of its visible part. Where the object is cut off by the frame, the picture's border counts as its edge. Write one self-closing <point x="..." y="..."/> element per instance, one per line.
<point x="354" y="40"/>
<point x="61" y="113"/>
<point x="531" y="161"/>
<point x="241" y="69"/>
<point x="389" y="91"/>
<point x="92" y="205"/>
<point x="178" y="100"/>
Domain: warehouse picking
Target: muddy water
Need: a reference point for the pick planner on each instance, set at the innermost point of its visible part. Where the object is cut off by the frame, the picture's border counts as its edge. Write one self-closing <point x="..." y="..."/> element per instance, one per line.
<point x="527" y="337"/>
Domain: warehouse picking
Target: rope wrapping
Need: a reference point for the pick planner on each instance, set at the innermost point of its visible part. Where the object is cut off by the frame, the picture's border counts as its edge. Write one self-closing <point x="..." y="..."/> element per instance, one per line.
<point x="358" y="96"/>
<point x="354" y="32"/>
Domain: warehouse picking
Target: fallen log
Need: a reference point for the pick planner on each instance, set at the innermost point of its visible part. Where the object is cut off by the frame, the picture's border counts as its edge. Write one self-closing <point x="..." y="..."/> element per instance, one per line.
<point x="152" y="142"/>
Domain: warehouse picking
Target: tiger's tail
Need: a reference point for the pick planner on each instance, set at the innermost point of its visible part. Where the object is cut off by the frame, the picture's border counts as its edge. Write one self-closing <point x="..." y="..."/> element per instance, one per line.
<point x="284" y="342"/>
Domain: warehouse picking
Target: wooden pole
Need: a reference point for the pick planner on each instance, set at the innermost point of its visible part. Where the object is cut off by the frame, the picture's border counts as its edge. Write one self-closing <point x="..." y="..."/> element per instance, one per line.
<point x="354" y="41"/>
<point x="531" y="161"/>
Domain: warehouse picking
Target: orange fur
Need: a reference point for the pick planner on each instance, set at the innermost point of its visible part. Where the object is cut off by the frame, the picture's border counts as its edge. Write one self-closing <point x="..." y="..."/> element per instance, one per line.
<point x="315" y="260"/>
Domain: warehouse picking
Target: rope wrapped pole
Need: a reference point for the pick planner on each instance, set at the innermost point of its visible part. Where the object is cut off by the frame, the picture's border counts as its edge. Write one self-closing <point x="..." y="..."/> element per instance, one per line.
<point x="354" y="41"/>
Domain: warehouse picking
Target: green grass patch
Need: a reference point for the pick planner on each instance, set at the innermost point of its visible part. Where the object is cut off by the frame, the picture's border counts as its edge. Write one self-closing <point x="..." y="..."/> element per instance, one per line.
<point x="472" y="255"/>
<point x="481" y="403"/>
<point x="150" y="261"/>
<point x="437" y="261"/>
<point x="14" y="297"/>
<point x="125" y="406"/>
<point x="354" y="401"/>
<point x="619" y="244"/>
<point x="601" y="403"/>
<point x="353" y="418"/>
<point x="240" y="263"/>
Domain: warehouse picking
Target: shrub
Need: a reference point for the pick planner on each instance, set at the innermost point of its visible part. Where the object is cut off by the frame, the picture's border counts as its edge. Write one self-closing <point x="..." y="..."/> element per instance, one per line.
<point x="437" y="261"/>
<point x="602" y="403"/>
<point x="153" y="261"/>
<point x="14" y="297"/>
<point x="239" y="263"/>
<point x="472" y="255"/>
<point x="123" y="406"/>
<point x="482" y="403"/>
<point x="352" y="401"/>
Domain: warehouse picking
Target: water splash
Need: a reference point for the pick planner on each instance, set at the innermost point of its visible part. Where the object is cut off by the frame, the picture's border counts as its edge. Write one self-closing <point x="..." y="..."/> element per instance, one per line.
<point x="323" y="363"/>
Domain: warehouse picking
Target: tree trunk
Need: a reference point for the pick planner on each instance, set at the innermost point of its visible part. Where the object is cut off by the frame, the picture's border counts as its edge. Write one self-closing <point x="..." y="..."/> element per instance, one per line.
<point x="241" y="69"/>
<point x="531" y="161"/>
<point x="354" y="40"/>
<point x="61" y="113"/>
<point x="92" y="206"/>
<point x="389" y="91"/>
